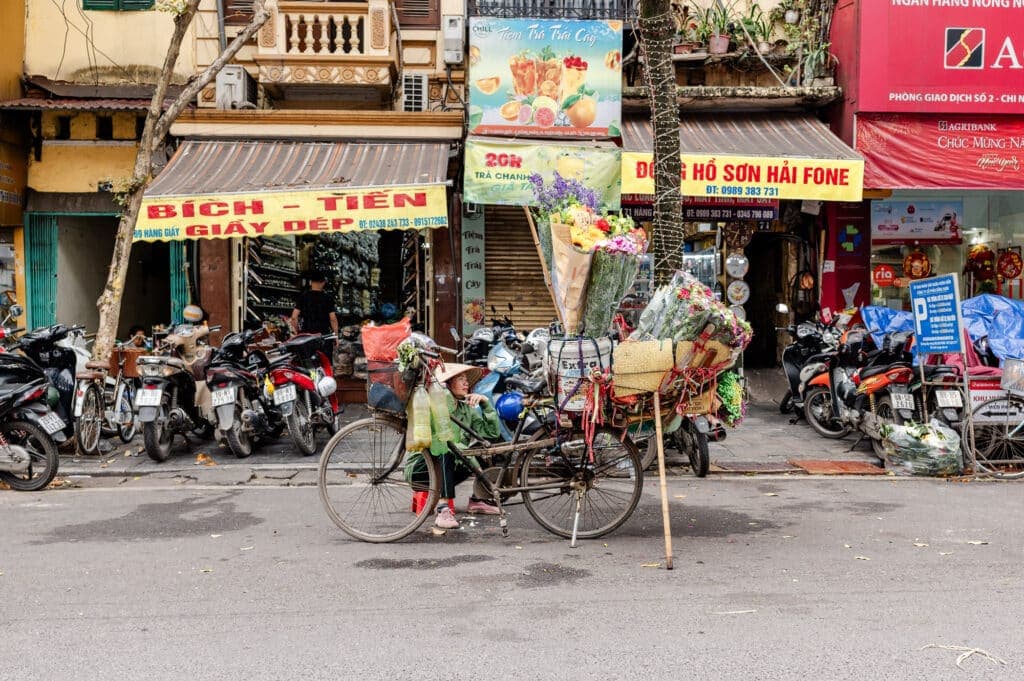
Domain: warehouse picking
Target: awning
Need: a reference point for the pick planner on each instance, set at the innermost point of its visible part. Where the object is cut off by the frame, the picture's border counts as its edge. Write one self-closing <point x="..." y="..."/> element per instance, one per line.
<point x="749" y="156"/>
<point x="223" y="189"/>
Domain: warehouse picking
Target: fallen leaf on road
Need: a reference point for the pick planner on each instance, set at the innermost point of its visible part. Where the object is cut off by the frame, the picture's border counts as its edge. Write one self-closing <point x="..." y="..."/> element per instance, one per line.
<point x="770" y="494"/>
<point x="214" y="536"/>
<point x="247" y="548"/>
<point x="978" y="543"/>
<point x="651" y="565"/>
<point x="1" y="573"/>
<point x="202" y="458"/>
<point x="137" y="477"/>
<point x="519" y="548"/>
<point x="862" y="558"/>
<point x="206" y="570"/>
<point x="735" y="612"/>
<point x="679" y="496"/>
<point x="605" y="545"/>
<point x="919" y="544"/>
<point x="945" y="553"/>
<point x="787" y="536"/>
<point x="847" y="546"/>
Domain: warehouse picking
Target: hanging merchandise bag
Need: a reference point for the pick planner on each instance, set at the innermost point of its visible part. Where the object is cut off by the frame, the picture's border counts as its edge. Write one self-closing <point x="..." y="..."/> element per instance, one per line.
<point x="421" y="418"/>
<point x="380" y="343"/>
<point x="439" y="412"/>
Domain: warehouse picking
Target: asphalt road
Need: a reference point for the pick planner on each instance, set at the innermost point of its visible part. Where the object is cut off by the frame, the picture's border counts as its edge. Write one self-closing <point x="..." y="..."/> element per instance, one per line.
<point x="775" y="578"/>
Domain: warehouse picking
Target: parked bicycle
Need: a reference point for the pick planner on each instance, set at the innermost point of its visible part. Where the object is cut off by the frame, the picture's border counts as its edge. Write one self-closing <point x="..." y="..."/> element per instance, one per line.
<point x="999" y="427"/>
<point x="571" y="484"/>
<point x="103" y="409"/>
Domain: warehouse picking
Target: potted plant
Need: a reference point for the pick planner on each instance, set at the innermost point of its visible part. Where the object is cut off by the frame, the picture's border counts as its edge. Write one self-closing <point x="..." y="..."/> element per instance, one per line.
<point x="758" y="28"/>
<point x="691" y="35"/>
<point x="817" y="62"/>
<point x="719" y="20"/>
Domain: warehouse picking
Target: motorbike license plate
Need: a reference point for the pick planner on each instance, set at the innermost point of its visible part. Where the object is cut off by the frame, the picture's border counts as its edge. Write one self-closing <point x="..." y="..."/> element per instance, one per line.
<point x="149" y="397"/>
<point x="286" y="393"/>
<point x="949" y="398"/>
<point x="902" y="401"/>
<point x="51" y="423"/>
<point x="222" y="397"/>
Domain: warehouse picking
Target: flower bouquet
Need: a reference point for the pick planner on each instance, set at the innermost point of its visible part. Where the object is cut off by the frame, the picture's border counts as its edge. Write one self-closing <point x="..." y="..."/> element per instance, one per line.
<point x="614" y="268"/>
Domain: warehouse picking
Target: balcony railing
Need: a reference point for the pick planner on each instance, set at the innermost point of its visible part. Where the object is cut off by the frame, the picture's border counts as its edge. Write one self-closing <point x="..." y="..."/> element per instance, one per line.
<point x="331" y="42"/>
<point x="555" y="9"/>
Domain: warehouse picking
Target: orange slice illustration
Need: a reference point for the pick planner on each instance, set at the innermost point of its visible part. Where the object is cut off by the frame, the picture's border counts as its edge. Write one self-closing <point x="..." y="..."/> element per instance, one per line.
<point x="488" y="86"/>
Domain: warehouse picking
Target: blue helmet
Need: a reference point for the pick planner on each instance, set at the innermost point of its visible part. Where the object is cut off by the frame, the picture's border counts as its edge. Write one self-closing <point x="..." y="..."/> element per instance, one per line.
<point x="509" y="405"/>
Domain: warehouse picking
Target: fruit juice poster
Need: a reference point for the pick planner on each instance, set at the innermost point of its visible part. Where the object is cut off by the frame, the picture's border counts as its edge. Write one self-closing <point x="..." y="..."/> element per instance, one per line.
<point x="545" y="78"/>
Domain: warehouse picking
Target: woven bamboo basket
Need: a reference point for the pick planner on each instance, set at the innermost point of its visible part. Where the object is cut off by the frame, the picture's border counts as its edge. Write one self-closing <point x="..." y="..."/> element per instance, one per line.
<point x="640" y="366"/>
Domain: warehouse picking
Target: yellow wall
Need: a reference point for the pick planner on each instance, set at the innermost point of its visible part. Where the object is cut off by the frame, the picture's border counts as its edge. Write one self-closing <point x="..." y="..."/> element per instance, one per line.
<point x="129" y="46"/>
<point x="72" y="166"/>
<point x="12" y="47"/>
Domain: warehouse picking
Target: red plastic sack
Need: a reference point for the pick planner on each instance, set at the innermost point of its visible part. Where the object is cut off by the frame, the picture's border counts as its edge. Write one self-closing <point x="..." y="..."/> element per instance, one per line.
<point x="380" y="343"/>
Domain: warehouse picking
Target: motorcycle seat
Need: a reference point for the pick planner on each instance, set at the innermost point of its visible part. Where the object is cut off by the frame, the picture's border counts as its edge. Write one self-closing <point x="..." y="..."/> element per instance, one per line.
<point x="90" y="375"/>
<point x="525" y="385"/>
<point x="97" y="365"/>
<point x="940" y="370"/>
<point x="868" y="372"/>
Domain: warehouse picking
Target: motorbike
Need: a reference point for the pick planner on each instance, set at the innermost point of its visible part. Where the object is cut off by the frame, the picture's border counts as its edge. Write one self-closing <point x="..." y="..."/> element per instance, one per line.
<point x="812" y="342"/>
<point x="305" y="390"/>
<point x="173" y="398"/>
<point x="29" y="428"/>
<point x="238" y="379"/>
<point x="59" y="363"/>
<point x="480" y="343"/>
<point x="857" y="391"/>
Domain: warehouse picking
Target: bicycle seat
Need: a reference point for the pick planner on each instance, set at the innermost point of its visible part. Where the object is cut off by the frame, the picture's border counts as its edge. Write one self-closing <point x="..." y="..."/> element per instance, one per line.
<point x="89" y="375"/>
<point x="97" y="365"/>
<point x="525" y="385"/>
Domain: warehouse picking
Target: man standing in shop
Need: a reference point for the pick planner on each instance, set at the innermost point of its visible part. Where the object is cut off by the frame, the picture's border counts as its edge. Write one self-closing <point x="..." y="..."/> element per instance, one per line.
<point x="314" y="309"/>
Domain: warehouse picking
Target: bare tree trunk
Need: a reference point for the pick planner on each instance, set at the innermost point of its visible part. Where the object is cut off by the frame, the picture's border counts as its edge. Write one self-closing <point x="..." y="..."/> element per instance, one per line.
<point x="158" y="124"/>
<point x="657" y="28"/>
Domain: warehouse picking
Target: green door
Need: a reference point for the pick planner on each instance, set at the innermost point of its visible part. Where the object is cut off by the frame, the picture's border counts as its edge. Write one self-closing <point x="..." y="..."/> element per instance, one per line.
<point x="179" y="283"/>
<point x="41" y="269"/>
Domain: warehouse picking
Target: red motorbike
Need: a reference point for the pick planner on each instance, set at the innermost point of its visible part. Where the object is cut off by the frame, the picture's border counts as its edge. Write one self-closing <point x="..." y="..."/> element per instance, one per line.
<point x="304" y="388"/>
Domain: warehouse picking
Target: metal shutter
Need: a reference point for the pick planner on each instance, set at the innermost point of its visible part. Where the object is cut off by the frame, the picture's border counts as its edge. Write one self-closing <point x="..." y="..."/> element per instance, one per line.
<point x="513" y="270"/>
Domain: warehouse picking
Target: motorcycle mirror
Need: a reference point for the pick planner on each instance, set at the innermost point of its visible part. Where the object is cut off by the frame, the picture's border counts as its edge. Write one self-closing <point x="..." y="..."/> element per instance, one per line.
<point x="16" y="310"/>
<point x="455" y="334"/>
<point x="782" y="308"/>
<point x="510" y="308"/>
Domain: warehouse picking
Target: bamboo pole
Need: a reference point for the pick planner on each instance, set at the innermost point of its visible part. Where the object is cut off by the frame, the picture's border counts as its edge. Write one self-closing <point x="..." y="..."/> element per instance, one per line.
<point x="665" y="521"/>
<point x="543" y="263"/>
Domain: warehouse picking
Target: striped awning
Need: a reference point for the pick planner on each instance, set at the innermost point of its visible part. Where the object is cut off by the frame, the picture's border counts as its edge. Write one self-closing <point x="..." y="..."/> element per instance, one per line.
<point x="751" y="155"/>
<point x="222" y="189"/>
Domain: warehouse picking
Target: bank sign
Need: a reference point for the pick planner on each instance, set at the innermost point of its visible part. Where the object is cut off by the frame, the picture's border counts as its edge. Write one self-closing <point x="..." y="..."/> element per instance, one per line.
<point x="942" y="56"/>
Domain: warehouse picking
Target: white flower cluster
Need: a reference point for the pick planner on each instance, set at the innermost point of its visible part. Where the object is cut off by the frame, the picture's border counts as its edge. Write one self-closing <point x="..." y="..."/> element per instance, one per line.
<point x="176" y="7"/>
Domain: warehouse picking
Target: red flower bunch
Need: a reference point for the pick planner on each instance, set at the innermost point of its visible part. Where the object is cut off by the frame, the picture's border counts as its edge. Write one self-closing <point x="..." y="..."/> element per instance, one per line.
<point x="603" y="225"/>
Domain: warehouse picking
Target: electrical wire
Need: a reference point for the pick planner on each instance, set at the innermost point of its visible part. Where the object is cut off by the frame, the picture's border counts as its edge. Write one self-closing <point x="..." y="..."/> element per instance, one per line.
<point x="92" y="43"/>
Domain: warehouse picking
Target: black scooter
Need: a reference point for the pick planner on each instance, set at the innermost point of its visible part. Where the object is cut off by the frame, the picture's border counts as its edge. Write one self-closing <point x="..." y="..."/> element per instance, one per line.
<point x="813" y="344"/>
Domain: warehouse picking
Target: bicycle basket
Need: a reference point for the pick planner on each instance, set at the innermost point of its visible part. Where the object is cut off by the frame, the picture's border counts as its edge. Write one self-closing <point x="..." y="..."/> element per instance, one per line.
<point x="1013" y="376"/>
<point x="387" y="388"/>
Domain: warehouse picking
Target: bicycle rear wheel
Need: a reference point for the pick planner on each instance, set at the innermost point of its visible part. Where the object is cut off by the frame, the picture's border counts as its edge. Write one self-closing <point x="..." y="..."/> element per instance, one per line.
<point x="362" y="481"/>
<point x="999" y="437"/>
<point x="606" y="490"/>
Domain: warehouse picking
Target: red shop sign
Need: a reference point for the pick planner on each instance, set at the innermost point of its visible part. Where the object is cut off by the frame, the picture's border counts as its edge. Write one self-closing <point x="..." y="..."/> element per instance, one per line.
<point x="921" y="57"/>
<point x="907" y="151"/>
<point x="883" y="276"/>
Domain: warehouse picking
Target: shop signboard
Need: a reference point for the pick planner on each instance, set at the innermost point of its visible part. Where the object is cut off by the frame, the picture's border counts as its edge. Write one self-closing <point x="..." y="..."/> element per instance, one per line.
<point x="894" y="222"/>
<point x="545" y="78"/>
<point x="942" y="152"/>
<point x="697" y="208"/>
<point x="12" y="183"/>
<point x="497" y="171"/>
<point x="474" y="283"/>
<point x="935" y="303"/>
<point x="212" y="216"/>
<point x="751" y="177"/>
<point x="941" y="56"/>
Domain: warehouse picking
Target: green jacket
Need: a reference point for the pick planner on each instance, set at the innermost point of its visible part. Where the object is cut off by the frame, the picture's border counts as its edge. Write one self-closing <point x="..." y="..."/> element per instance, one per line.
<point x="483" y="420"/>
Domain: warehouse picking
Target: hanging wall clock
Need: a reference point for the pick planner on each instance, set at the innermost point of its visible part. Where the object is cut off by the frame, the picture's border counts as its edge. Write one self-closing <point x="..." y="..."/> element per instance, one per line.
<point x="738" y="292"/>
<point x="737" y="265"/>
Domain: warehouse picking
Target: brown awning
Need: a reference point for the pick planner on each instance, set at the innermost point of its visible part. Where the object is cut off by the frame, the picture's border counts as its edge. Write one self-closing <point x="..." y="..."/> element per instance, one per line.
<point x="749" y="155"/>
<point x="223" y="189"/>
<point x="780" y="135"/>
<point x="223" y="167"/>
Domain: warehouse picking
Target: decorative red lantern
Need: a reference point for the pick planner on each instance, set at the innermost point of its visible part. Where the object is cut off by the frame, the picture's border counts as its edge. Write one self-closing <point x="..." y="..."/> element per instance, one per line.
<point x="1010" y="265"/>
<point x="917" y="265"/>
<point x="981" y="262"/>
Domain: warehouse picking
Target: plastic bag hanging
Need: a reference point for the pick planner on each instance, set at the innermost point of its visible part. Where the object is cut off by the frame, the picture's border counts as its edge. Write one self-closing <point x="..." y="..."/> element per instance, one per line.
<point x="420" y="418"/>
<point x="439" y="412"/>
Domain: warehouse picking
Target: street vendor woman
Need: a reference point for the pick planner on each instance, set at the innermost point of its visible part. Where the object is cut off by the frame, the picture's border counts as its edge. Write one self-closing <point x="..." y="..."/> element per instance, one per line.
<point x="469" y="408"/>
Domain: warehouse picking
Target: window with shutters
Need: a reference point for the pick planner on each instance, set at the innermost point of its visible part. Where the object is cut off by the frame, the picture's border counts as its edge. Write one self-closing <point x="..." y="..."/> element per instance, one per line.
<point x="118" y="5"/>
<point x="418" y="13"/>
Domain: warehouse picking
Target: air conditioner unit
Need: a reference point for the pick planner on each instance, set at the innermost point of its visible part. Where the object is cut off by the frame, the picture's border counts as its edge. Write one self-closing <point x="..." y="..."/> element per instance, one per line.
<point x="414" y="92"/>
<point x="454" y="38"/>
<point x="235" y="88"/>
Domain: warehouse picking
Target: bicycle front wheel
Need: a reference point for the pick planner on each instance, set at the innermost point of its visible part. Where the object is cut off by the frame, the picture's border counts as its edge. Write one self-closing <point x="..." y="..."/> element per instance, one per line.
<point x="999" y="436"/>
<point x="560" y="480"/>
<point x="89" y="424"/>
<point x="363" y="485"/>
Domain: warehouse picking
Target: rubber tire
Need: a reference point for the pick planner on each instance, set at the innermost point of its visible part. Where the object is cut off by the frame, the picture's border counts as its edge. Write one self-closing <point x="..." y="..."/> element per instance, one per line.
<point x="92" y="401"/>
<point x="819" y="428"/>
<point x="127" y="433"/>
<point x="157" y="440"/>
<point x="49" y="456"/>
<point x="434" y="478"/>
<point x="299" y="423"/>
<point x="700" y="459"/>
<point x="240" y="443"/>
<point x="786" y="405"/>
<point x="638" y="488"/>
<point x="884" y="401"/>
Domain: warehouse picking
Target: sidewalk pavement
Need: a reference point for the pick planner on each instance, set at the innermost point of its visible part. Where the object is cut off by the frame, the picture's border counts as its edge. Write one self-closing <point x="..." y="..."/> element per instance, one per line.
<point x="764" y="442"/>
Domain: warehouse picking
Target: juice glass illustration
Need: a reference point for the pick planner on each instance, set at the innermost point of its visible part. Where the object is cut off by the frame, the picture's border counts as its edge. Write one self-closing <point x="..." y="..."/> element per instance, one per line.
<point x="524" y="74"/>
<point x="569" y="167"/>
<point x="549" y="76"/>
<point x="574" y="74"/>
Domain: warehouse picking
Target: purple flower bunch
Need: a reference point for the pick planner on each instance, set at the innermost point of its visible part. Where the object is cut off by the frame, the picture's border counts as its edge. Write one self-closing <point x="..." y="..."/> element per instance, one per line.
<point x="620" y="243"/>
<point x="562" y="194"/>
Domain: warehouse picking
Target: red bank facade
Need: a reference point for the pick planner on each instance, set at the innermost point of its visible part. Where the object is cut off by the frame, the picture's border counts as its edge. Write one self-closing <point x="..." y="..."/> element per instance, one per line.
<point x="935" y="104"/>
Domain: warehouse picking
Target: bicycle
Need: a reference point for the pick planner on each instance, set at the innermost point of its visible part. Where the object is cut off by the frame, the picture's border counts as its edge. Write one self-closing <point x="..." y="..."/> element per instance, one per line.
<point x="574" y="486"/>
<point x="999" y="427"/>
<point x="103" y="410"/>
